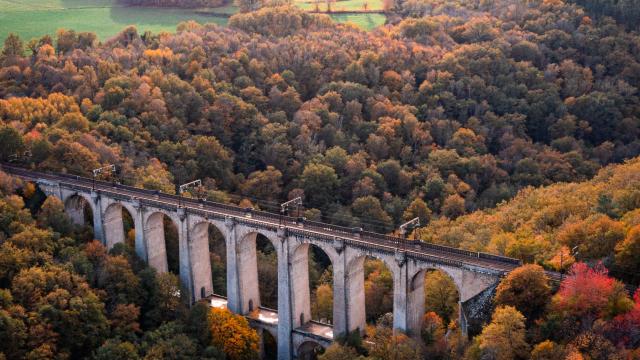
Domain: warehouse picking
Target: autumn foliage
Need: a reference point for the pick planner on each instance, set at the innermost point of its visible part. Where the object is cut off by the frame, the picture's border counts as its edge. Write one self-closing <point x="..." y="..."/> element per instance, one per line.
<point x="589" y="293"/>
<point x="232" y="334"/>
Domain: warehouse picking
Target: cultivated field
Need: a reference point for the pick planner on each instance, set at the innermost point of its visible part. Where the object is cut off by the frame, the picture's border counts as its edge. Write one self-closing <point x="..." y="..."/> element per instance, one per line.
<point x="34" y="18"/>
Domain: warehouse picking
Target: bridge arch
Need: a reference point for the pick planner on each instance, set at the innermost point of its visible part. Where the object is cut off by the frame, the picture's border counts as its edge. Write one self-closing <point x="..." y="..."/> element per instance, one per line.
<point x="442" y="278"/>
<point x="268" y="343"/>
<point x="114" y="223"/>
<point x="80" y="209"/>
<point x="309" y="350"/>
<point x="204" y="236"/>
<point x="303" y="285"/>
<point x="162" y="237"/>
<point x="357" y="312"/>
<point x="247" y="268"/>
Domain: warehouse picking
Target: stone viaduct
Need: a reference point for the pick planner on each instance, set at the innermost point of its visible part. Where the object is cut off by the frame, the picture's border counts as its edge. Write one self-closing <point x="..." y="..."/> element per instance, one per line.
<point x="473" y="273"/>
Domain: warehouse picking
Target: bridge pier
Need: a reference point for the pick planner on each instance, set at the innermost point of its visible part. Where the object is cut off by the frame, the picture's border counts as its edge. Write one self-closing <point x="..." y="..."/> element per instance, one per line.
<point x="400" y="321"/>
<point x="285" y="328"/>
<point x="354" y="293"/>
<point x="140" y="241"/>
<point x="233" y="284"/>
<point x="98" y="230"/>
<point x="186" y="270"/>
<point x="339" y="295"/>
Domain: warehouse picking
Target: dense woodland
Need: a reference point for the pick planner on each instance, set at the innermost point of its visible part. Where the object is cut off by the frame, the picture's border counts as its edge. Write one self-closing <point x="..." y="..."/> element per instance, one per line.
<point x="626" y="12"/>
<point x="445" y="114"/>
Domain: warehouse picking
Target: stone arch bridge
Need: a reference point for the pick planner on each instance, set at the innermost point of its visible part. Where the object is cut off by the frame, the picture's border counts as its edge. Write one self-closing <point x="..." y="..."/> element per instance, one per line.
<point x="475" y="274"/>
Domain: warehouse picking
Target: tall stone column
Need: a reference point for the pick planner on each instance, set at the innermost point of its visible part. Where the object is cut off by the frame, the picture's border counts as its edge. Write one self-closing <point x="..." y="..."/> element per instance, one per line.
<point x="300" y="293"/>
<point x="98" y="230"/>
<point x="113" y="226"/>
<point x="400" y="293"/>
<point x="285" y="345"/>
<point x="354" y="297"/>
<point x="233" y="284"/>
<point x="185" y="258"/>
<point x="138" y="223"/>
<point x="339" y="290"/>
<point x="415" y="303"/>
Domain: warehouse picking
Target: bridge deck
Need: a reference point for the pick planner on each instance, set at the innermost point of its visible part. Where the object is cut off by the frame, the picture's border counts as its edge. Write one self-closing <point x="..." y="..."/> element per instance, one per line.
<point x="270" y="317"/>
<point x="417" y="249"/>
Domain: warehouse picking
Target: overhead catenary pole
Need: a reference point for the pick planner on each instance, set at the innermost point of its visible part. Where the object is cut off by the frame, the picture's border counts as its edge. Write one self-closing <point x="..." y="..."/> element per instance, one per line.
<point x="100" y="170"/>
<point x="182" y="188"/>
<point x="413" y="223"/>
<point x="285" y="205"/>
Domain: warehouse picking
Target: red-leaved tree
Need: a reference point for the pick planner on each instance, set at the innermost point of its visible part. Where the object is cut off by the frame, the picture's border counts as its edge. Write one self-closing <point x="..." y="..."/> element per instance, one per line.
<point x="588" y="294"/>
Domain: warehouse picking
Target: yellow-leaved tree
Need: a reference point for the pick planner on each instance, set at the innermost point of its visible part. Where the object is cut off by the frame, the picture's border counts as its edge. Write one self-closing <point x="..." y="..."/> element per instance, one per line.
<point x="232" y="334"/>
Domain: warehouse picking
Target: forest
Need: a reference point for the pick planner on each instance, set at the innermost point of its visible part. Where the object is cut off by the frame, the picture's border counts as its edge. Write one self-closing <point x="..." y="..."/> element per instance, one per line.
<point x="504" y="126"/>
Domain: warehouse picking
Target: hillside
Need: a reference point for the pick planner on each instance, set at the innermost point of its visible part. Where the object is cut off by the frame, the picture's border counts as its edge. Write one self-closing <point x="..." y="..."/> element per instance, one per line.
<point x="507" y="126"/>
<point x="596" y="216"/>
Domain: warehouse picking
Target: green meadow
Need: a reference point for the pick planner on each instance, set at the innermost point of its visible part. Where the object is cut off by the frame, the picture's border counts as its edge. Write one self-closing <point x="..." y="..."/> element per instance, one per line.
<point x="34" y="18"/>
<point x="341" y="5"/>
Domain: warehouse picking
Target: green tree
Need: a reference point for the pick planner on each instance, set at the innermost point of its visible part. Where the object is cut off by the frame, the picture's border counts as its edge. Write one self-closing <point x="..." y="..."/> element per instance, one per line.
<point x="114" y="349"/>
<point x="440" y="295"/>
<point x="319" y="183"/>
<point x="371" y="214"/>
<point x="337" y="351"/>
<point x="11" y="142"/>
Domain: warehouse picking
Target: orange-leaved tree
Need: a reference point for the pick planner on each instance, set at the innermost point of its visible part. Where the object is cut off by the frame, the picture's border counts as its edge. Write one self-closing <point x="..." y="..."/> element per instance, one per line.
<point x="232" y="334"/>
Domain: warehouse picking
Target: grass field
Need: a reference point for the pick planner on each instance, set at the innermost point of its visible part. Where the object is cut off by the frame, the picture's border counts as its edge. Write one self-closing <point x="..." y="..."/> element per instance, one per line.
<point x="34" y="18"/>
<point x="341" y="5"/>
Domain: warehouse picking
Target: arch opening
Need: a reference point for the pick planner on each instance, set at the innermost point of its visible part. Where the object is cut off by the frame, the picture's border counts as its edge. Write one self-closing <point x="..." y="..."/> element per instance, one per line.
<point x="433" y="303"/>
<point x="218" y="259"/>
<point x="79" y="210"/>
<point x="312" y="278"/>
<point x="258" y="272"/>
<point x="267" y="272"/>
<point x="33" y="196"/>
<point x="208" y="260"/>
<point x="118" y="226"/>
<point x="163" y="244"/>
<point x="370" y="286"/>
<point x="269" y="348"/>
<point x="309" y="350"/>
